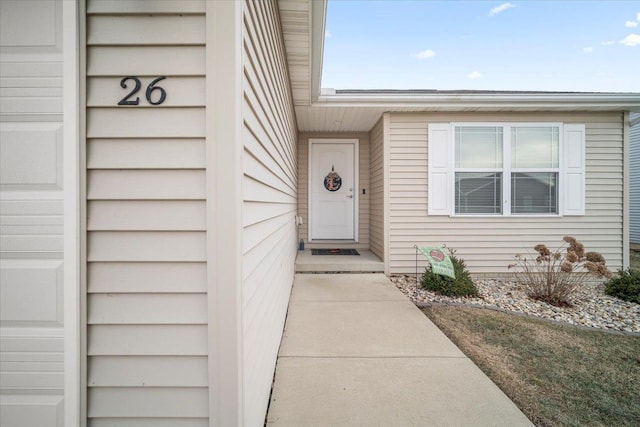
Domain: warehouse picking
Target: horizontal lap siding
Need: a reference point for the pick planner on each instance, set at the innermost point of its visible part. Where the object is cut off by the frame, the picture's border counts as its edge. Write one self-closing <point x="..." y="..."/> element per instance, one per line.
<point x="269" y="193"/>
<point x="377" y="190"/>
<point x="488" y="244"/>
<point x="303" y="187"/>
<point x="364" y="200"/>
<point x="146" y="222"/>
<point x="634" y="180"/>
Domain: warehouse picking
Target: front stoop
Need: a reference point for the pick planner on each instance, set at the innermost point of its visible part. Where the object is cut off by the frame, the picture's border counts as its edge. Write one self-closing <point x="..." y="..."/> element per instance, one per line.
<point x="366" y="262"/>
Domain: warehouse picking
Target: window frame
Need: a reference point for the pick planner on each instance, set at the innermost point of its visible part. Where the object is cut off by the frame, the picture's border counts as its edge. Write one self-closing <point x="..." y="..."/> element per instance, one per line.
<point x="507" y="168"/>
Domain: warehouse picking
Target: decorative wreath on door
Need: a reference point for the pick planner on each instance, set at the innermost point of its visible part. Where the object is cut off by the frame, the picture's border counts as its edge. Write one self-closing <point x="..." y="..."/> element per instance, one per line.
<point x="332" y="181"/>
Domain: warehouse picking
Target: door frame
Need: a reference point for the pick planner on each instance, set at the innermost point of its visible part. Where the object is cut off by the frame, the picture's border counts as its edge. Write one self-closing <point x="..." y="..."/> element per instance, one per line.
<point x="356" y="186"/>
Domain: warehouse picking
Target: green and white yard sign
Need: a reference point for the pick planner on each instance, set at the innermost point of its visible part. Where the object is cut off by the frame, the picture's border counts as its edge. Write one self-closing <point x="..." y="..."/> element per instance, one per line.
<point x="439" y="260"/>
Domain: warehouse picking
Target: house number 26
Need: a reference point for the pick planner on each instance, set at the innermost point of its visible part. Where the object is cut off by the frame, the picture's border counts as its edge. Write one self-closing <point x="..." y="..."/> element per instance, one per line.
<point x="149" y="94"/>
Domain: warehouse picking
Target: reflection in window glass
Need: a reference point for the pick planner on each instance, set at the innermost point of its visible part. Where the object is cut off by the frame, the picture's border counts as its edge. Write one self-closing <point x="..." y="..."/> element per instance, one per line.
<point x="478" y="147"/>
<point x="534" y="147"/>
<point x="534" y="192"/>
<point x="478" y="193"/>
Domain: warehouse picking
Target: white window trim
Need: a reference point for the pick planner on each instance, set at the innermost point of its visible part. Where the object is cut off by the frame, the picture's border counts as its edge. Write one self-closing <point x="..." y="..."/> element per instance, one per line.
<point x="506" y="169"/>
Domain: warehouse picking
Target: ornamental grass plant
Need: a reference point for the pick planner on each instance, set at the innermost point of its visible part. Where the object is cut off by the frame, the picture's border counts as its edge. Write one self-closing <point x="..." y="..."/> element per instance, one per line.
<point x="555" y="276"/>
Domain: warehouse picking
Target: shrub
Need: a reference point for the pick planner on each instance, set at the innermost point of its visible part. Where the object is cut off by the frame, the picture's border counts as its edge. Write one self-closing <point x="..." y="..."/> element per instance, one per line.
<point x="461" y="286"/>
<point x="625" y="286"/>
<point x="555" y="276"/>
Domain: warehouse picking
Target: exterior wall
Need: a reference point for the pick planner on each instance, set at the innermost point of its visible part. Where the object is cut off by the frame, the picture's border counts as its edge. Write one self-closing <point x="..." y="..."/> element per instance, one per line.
<point x="634" y="181"/>
<point x="31" y="214"/>
<point x="146" y="224"/>
<point x="377" y="189"/>
<point x="269" y="186"/>
<point x="363" y="182"/>
<point x="488" y="244"/>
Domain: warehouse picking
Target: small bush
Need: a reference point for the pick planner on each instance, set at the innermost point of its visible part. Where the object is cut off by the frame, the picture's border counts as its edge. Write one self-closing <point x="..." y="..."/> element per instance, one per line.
<point x="460" y="287"/>
<point x="554" y="277"/>
<point x="626" y="286"/>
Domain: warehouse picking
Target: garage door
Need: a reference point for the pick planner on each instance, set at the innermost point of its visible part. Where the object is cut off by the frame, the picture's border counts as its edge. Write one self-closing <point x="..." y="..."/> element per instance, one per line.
<point x="31" y="214"/>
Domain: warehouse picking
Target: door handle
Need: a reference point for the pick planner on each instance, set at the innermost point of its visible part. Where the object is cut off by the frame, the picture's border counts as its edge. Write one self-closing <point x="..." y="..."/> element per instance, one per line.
<point x="350" y="196"/>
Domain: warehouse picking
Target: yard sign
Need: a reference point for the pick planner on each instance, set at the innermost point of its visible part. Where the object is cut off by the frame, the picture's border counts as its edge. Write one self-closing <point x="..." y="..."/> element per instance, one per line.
<point x="439" y="260"/>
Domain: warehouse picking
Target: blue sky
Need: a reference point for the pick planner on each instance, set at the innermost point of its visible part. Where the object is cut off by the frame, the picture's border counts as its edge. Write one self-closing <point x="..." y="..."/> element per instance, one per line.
<point x="591" y="46"/>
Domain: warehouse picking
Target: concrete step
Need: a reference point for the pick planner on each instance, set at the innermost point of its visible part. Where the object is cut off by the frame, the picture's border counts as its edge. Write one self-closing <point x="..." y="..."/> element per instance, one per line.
<point x="365" y="262"/>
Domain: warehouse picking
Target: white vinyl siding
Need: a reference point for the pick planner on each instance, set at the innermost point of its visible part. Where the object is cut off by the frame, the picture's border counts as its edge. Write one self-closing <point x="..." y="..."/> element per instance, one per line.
<point x="377" y="190"/>
<point x="487" y="244"/>
<point x="634" y="180"/>
<point x="269" y="187"/>
<point x="146" y="224"/>
<point x="364" y="215"/>
<point x="32" y="214"/>
<point x="303" y="187"/>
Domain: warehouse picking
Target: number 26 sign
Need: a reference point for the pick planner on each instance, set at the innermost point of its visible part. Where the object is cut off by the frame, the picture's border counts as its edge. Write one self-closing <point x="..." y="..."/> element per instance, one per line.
<point x="155" y="95"/>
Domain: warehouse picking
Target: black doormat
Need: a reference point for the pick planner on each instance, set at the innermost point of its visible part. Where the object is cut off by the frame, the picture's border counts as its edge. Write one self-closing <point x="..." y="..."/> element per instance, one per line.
<point x="334" y="252"/>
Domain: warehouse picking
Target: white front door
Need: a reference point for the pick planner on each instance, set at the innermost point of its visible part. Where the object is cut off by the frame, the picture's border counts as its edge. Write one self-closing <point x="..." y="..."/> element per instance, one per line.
<point x="332" y="189"/>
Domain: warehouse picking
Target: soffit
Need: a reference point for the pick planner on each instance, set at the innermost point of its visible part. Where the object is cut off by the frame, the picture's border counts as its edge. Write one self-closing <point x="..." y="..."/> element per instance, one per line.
<point x="295" y="19"/>
<point x="339" y="114"/>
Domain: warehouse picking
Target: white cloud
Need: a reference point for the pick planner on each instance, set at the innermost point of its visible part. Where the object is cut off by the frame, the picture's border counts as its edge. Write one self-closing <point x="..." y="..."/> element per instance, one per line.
<point x="630" y="24"/>
<point x="608" y="43"/>
<point x="587" y="49"/>
<point x="638" y="17"/>
<point x="631" y="40"/>
<point x="427" y="53"/>
<point x="504" y="6"/>
<point x="474" y="75"/>
<point x="327" y="34"/>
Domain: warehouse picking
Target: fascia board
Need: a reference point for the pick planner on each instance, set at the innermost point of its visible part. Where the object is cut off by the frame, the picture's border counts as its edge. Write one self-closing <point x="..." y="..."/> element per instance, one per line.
<point x="487" y="102"/>
<point x="318" y="28"/>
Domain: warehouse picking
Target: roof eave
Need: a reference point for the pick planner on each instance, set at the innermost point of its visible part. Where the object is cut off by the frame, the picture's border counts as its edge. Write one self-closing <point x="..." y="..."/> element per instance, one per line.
<point x="318" y="28"/>
<point x="487" y="102"/>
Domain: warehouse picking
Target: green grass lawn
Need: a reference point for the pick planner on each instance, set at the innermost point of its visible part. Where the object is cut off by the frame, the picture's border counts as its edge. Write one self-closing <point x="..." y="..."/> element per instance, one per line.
<point x="557" y="375"/>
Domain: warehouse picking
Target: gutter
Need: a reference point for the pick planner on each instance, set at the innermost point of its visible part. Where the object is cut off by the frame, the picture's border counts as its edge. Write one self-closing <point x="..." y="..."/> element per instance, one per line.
<point x="488" y="101"/>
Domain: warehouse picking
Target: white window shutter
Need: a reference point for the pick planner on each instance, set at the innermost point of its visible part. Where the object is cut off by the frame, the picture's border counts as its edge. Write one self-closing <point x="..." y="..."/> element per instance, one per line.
<point x="440" y="167"/>
<point x="573" y="170"/>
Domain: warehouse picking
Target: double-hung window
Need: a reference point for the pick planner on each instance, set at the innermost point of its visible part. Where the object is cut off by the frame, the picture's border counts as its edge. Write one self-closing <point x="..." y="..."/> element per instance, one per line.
<point x="506" y="169"/>
<point x="479" y="169"/>
<point x="535" y="169"/>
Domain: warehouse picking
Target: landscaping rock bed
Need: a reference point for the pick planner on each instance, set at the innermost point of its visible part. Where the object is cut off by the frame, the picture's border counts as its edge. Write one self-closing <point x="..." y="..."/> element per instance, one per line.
<point x="591" y="306"/>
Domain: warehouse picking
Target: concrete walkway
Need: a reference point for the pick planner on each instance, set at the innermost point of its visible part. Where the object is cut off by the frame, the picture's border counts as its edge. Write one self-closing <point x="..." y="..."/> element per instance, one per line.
<point x="357" y="352"/>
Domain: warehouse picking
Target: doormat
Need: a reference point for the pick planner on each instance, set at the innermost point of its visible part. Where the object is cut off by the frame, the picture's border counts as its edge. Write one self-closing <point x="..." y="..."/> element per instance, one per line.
<point x="334" y="252"/>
